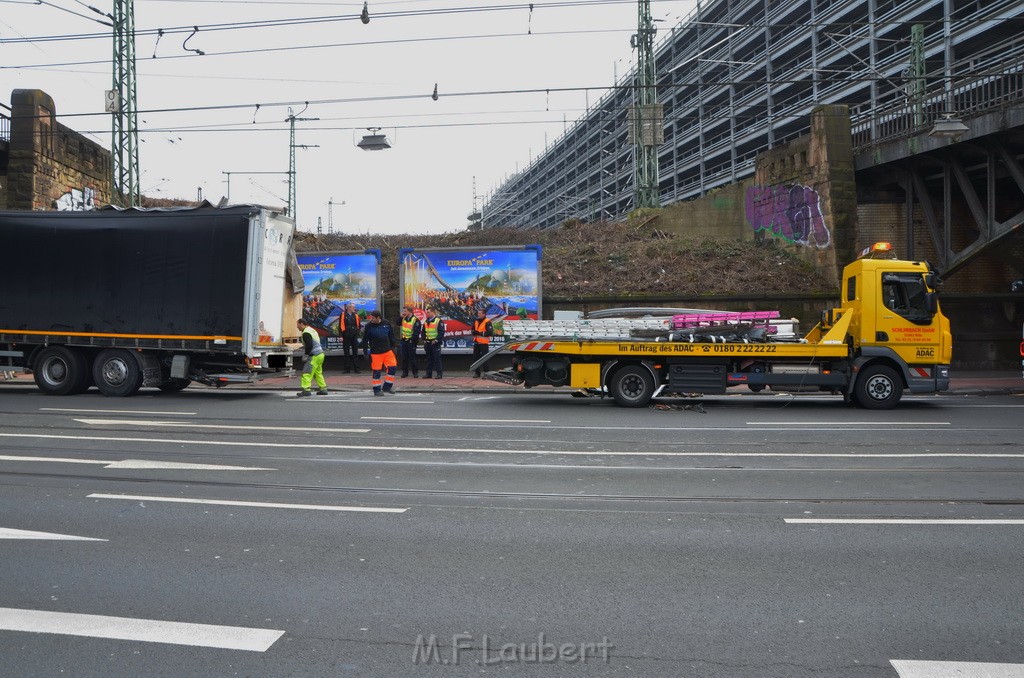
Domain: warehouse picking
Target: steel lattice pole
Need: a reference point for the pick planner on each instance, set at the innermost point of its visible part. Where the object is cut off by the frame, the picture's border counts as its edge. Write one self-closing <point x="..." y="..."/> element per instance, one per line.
<point x="124" y="127"/>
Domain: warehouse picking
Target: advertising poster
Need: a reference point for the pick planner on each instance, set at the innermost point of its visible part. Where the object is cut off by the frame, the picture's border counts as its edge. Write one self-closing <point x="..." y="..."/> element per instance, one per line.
<point x="332" y="280"/>
<point x="503" y="282"/>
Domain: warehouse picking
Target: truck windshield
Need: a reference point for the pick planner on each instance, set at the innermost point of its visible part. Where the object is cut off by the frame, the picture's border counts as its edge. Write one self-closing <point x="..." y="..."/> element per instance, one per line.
<point x="907" y="295"/>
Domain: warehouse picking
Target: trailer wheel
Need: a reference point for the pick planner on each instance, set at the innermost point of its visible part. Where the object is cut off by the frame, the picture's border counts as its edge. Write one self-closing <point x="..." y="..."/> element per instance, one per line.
<point x="878" y="388"/>
<point x="631" y="386"/>
<point x="174" y="385"/>
<point x="117" y="373"/>
<point x="61" y="371"/>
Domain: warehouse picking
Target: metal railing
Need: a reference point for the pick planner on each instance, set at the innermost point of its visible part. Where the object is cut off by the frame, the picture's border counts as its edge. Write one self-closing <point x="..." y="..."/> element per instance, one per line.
<point x="5" y="124"/>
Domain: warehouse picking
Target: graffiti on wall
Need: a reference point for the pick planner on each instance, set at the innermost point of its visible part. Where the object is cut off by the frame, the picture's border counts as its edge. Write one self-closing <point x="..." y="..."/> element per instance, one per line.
<point x="76" y="200"/>
<point x="790" y="212"/>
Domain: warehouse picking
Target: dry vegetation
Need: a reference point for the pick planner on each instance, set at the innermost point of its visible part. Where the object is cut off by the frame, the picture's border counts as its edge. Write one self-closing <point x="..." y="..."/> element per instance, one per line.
<point x="611" y="259"/>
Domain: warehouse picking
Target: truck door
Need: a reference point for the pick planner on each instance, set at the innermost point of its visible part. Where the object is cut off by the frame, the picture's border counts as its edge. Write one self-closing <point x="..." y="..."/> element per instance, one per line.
<point x="905" y="319"/>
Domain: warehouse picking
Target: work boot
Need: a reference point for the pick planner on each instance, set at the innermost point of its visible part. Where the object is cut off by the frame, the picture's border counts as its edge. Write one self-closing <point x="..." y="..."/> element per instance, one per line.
<point x="377" y="393"/>
<point x="391" y="392"/>
<point x="415" y="375"/>
<point x="437" y="377"/>
<point x="303" y="393"/>
<point x="322" y="391"/>
<point x="404" y="375"/>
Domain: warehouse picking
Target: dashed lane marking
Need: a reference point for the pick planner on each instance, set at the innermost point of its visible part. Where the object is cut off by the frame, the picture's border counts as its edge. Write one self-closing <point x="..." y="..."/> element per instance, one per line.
<point x="449" y="419"/>
<point x="186" y="424"/>
<point x="144" y="630"/>
<point x="906" y="521"/>
<point x="148" y="464"/>
<point x="11" y="533"/>
<point x="912" y="668"/>
<point x="255" y="504"/>
<point x="69" y="409"/>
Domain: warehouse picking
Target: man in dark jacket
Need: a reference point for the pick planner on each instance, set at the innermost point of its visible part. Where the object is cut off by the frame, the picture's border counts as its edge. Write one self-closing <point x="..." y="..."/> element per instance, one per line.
<point x="409" y="331"/>
<point x="433" y="335"/>
<point x="379" y="341"/>
<point x="348" y="325"/>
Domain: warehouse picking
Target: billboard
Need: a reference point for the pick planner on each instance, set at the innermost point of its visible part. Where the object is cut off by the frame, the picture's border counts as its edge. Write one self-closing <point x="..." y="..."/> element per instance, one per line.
<point x="332" y="280"/>
<point x="504" y="282"/>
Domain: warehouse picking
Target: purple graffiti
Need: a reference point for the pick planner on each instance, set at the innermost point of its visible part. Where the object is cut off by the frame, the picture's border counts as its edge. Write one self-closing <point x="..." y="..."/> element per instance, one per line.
<point x="790" y="212"/>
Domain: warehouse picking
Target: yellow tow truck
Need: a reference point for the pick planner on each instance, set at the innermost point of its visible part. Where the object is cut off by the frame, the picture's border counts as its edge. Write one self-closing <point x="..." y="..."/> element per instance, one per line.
<point x="888" y="336"/>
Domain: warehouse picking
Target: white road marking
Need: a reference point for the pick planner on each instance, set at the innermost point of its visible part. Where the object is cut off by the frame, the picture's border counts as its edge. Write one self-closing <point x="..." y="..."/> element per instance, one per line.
<point x="145" y="630"/>
<point x="258" y="504"/>
<point x="138" y="464"/>
<point x="449" y="419"/>
<point x="848" y="423"/>
<point x="11" y="533"/>
<point x="913" y="668"/>
<point x="186" y="424"/>
<point x="69" y="409"/>
<point x="907" y="521"/>
<point x="476" y="398"/>
<point x="376" y="401"/>
<point x="490" y="450"/>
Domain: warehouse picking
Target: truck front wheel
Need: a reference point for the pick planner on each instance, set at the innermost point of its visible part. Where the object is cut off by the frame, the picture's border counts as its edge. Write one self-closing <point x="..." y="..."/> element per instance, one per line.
<point x="61" y="371"/>
<point x="878" y="388"/>
<point x="632" y="386"/>
<point x="117" y="373"/>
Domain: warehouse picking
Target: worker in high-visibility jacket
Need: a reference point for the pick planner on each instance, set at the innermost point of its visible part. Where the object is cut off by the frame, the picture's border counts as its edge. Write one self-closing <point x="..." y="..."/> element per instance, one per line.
<point x="433" y="335"/>
<point x="483" y="330"/>
<point x="313" y="359"/>
<point x="409" y="331"/>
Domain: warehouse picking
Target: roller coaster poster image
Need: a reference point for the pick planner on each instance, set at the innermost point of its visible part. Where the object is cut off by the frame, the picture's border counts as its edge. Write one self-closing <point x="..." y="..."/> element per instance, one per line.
<point x="333" y="280"/>
<point x="505" y="283"/>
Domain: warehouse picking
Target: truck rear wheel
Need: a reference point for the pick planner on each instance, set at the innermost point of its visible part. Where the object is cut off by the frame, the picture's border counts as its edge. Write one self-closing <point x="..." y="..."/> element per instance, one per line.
<point x="117" y="373"/>
<point x="878" y="388"/>
<point x="632" y="386"/>
<point x="61" y="371"/>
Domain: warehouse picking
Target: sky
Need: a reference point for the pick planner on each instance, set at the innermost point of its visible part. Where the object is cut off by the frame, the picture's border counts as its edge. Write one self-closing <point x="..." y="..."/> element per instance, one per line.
<point x="199" y="117"/>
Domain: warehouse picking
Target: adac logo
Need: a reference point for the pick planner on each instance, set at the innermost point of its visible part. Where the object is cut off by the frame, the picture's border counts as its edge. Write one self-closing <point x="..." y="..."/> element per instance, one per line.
<point x="925" y="353"/>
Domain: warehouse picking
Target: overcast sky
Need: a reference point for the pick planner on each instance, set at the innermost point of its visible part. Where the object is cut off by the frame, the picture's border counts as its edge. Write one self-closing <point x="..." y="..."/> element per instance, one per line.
<point x="379" y="74"/>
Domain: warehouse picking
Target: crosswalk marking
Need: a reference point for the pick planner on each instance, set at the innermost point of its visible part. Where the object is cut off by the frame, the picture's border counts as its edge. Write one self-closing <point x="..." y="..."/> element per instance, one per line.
<point x="145" y="630"/>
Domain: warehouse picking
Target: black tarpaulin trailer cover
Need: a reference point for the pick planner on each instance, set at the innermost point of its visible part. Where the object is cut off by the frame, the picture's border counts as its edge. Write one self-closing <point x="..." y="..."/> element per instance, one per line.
<point x="131" y="272"/>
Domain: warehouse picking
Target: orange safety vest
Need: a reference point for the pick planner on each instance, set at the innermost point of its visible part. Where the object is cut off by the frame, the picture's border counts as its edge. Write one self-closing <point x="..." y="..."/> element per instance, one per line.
<point x="481" y="327"/>
<point x="343" y="321"/>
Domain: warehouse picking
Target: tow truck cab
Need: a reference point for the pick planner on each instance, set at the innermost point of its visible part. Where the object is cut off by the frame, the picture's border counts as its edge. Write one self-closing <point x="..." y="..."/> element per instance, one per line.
<point x="896" y="318"/>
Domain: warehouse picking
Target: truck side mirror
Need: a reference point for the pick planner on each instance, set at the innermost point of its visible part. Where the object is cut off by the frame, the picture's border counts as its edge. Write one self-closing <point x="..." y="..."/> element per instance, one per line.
<point x="931" y="301"/>
<point x="932" y="280"/>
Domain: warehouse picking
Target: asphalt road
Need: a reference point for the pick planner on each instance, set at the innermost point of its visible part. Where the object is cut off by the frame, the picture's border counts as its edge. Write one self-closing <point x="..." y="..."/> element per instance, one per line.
<point x="448" y="534"/>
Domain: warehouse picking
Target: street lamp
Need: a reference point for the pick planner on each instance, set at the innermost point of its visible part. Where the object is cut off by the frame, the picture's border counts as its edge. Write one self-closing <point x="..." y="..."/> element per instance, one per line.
<point x="948" y="127"/>
<point x="374" y="141"/>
